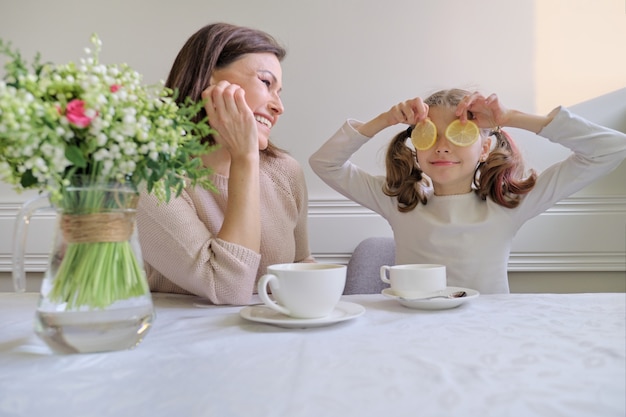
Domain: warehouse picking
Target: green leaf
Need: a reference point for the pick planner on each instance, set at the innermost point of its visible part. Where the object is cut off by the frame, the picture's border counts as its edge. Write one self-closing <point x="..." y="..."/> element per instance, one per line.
<point x="75" y="156"/>
<point x="28" y="179"/>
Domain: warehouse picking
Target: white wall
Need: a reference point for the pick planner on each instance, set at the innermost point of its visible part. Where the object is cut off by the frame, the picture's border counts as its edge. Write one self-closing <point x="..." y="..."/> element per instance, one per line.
<point x="351" y="58"/>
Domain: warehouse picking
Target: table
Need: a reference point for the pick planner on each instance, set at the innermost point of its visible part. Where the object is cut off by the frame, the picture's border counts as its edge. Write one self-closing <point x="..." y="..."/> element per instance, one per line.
<point x="496" y="355"/>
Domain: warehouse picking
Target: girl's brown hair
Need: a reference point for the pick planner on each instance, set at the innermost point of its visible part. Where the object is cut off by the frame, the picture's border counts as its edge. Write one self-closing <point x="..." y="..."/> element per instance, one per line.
<point x="216" y="46"/>
<point x="500" y="177"/>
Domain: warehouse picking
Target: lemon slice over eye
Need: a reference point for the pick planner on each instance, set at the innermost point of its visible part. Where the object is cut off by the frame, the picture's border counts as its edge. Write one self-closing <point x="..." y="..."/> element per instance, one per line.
<point x="424" y="135"/>
<point x="462" y="134"/>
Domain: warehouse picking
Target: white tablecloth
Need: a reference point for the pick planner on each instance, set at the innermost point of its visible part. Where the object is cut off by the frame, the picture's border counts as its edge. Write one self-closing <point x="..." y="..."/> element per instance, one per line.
<point x="497" y="355"/>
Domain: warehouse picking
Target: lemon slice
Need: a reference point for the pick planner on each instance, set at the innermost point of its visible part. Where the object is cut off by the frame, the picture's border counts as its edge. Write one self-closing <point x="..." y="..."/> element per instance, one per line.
<point x="462" y="134"/>
<point x="424" y="135"/>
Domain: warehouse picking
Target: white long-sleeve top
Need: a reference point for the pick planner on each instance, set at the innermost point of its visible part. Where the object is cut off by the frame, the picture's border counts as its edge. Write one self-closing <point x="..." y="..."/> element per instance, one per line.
<point x="471" y="237"/>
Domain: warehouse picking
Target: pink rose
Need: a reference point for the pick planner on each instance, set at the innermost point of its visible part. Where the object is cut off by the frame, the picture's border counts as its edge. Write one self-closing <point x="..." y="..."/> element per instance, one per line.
<point x="115" y="87"/>
<point x="75" y="113"/>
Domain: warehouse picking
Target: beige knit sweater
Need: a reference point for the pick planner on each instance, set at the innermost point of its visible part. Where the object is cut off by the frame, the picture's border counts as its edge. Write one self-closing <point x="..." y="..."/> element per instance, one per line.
<point x="182" y="254"/>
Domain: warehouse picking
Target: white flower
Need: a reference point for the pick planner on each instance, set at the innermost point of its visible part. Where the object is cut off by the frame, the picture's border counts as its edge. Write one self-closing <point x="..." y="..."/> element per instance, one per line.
<point x="108" y="164"/>
<point x="115" y="127"/>
<point x="41" y="165"/>
<point x="101" y="139"/>
<point x="101" y="155"/>
<point x="128" y="167"/>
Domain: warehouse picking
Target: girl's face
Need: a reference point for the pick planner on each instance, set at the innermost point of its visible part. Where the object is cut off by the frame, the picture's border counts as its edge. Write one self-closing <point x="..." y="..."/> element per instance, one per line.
<point x="451" y="168"/>
<point x="260" y="76"/>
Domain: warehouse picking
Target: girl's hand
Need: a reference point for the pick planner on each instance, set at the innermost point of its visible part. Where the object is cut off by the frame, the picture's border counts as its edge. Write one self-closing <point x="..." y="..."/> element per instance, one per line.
<point x="231" y="117"/>
<point x="410" y="112"/>
<point x="486" y="112"/>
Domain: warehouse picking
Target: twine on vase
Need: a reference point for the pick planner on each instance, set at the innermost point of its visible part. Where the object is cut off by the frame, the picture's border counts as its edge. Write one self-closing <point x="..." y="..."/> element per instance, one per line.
<point x="98" y="227"/>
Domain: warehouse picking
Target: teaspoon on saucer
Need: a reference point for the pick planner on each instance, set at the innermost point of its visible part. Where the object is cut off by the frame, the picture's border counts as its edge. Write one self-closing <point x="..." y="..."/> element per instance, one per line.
<point x="457" y="294"/>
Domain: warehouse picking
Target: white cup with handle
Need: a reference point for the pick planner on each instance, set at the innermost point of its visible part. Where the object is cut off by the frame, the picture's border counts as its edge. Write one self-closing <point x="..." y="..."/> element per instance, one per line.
<point x="303" y="290"/>
<point x="414" y="280"/>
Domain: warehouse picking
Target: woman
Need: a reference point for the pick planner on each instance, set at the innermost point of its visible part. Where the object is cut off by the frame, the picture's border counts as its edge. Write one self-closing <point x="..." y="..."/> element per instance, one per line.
<point x="217" y="244"/>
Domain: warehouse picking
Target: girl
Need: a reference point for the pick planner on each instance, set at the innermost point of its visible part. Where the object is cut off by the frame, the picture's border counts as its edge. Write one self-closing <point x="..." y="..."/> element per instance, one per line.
<point x="461" y="205"/>
<point x="217" y="244"/>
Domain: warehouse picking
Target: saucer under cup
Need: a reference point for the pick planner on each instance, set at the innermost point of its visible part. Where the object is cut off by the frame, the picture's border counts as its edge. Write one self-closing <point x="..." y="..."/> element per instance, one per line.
<point x="343" y="311"/>
<point x="414" y="280"/>
<point x="303" y="290"/>
<point x="435" y="303"/>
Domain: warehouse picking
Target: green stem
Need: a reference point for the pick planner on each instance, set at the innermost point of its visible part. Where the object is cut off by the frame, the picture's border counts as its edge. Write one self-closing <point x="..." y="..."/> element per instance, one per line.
<point x="98" y="274"/>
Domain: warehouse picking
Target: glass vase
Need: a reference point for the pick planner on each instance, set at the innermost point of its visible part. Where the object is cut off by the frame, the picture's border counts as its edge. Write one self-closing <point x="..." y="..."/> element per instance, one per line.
<point x="94" y="295"/>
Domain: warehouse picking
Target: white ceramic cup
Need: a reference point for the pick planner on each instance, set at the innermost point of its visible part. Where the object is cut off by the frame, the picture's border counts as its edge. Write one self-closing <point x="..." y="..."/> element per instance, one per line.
<point x="414" y="280"/>
<point x="303" y="290"/>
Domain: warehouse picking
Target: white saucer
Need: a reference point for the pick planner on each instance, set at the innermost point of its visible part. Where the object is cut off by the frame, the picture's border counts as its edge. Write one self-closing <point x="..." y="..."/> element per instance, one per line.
<point x="263" y="314"/>
<point x="435" y="303"/>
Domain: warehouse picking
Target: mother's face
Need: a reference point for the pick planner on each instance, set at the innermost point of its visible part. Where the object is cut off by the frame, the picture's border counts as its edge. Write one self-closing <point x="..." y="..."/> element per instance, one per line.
<point x="260" y="76"/>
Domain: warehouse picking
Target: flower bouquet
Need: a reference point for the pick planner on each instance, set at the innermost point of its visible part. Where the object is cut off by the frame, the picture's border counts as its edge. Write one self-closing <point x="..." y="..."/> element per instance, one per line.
<point x="92" y="136"/>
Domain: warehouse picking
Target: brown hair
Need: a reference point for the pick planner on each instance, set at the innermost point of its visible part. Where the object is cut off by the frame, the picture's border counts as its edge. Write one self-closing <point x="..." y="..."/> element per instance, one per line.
<point x="499" y="177"/>
<point x="217" y="46"/>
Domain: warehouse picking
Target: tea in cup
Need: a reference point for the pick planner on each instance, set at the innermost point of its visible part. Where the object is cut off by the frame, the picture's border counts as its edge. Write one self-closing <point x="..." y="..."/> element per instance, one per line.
<point x="303" y="290"/>
<point x="414" y="280"/>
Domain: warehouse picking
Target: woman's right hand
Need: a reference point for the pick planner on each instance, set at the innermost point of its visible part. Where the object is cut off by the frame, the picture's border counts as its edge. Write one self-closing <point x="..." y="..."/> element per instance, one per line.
<point x="236" y="128"/>
<point x="232" y="119"/>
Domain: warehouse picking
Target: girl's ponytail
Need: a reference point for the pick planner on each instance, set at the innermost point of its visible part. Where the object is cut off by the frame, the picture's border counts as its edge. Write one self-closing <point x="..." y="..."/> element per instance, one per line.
<point x="404" y="178"/>
<point x="501" y="176"/>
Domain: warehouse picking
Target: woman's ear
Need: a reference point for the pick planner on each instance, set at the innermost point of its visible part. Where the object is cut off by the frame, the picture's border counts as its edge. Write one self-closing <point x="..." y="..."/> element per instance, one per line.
<point x="211" y="80"/>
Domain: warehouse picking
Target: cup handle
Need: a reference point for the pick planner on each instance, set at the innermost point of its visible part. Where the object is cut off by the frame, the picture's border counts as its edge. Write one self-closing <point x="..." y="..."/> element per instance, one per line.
<point x="383" y="273"/>
<point x="262" y="290"/>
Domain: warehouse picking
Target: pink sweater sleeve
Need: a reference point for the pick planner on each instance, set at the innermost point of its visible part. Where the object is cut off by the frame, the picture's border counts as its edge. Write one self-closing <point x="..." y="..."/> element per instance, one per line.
<point x="183" y="256"/>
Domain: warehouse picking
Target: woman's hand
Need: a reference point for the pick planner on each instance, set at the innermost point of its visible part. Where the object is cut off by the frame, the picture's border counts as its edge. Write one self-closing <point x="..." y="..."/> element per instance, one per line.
<point x="237" y="132"/>
<point x="231" y="117"/>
